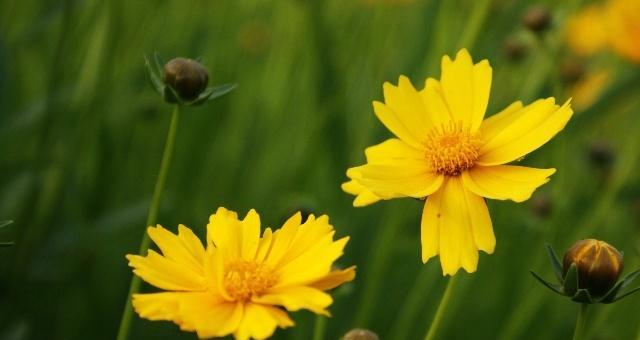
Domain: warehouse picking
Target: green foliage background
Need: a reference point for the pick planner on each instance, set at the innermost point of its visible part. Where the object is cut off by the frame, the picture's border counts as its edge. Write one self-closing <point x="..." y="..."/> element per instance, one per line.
<point x="81" y="136"/>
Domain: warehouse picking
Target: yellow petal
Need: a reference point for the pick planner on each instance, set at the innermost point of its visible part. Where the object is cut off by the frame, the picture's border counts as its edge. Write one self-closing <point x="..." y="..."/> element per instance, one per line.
<point x="405" y="101"/>
<point x="466" y="88"/>
<point x="297" y="297"/>
<point x="282" y="239"/>
<point x="405" y="178"/>
<point x="587" y="31"/>
<point x="259" y="322"/>
<point x="165" y="273"/>
<point x="434" y="101"/>
<point x="391" y="120"/>
<point x="265" y="245"/>
<point x="363" y="195"/>
<point x="184" y="248"/>
<point x="157" y="306"/>
<point x="250" y="235"/>
<point x="391" y="151"/>
<point x="335" y="278"/>
<point x="208" y="316"/>
<point x="455" y="225"/>
<point x="514" y="133"/>
<point x="504" y="182"/>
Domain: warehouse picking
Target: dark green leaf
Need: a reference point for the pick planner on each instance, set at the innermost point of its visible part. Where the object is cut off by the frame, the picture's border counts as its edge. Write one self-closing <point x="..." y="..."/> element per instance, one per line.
<point x="629" y="278"/>
<point x="220" y="90"/>
<point x="5" y="223"/>
<point x="171" y="96"/>
<point x="159" y="63"/>
<point x="626" y="294"/>
<point x="554" y="287"/>
<point x="5" y="244"/>
<point x="570" y="284"/>
<point x="153" y="77"/>
<point x="611" y="294"/>
<point x="555" y="262"/>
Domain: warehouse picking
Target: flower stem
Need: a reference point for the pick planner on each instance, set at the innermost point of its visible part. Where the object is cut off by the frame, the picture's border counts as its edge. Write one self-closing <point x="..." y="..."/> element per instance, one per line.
<point x="582" y="317"/>
<point x="134" y="287"/>
<point x="319" y="328"/>
<point x="442" y="307"/>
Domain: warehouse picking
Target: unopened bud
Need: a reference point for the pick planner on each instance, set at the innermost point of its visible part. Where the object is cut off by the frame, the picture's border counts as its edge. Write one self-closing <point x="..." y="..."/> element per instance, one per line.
<point x="514" y="49"/>
<point x="360" y="334"/>
<point x="599" y="265"/>
<point x="571" y="71"/>
<point x="537" y="19"/>
<point x="541" y="205"/>
<point x="601" y="154"/>
<point x="186" y="76"/>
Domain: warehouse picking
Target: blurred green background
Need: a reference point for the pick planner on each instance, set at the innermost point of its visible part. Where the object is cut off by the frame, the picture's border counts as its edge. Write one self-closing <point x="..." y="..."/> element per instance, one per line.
<point x="81" y="136"/>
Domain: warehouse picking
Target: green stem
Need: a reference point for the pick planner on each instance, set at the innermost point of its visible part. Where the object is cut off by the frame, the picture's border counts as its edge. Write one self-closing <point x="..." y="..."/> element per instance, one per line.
<point x="442" y="308"/>
<point x="134" y="287"/>
<point x="319" y="328"/>
<point x="582" y="318"/>
<point x="474" y="24"/>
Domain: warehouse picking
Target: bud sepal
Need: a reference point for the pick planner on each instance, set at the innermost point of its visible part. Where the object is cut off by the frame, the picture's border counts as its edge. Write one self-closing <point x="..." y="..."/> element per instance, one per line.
<point x="170" y="94"/>
<point x="569" y="284"/>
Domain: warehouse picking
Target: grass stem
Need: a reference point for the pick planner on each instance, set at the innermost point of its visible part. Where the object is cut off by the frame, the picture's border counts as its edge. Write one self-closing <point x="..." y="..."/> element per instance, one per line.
<point x="442" y="308"/>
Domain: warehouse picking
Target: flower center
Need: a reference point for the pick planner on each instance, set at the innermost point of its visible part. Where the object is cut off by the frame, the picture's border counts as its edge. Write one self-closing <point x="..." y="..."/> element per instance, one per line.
<point x="451" y="149"/>
<point x="244" y="279"/>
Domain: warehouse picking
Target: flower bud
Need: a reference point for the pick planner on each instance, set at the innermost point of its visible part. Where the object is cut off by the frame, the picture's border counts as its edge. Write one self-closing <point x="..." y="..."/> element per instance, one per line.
<point x="571" y="71"/>
<point x="599" y="265"/>
<point x="186" y="76"/>
<point x="537" y="19"/>
<point x="602" y="154"/>
<point x="514" y="49"/>
<point x="360" y="334"/>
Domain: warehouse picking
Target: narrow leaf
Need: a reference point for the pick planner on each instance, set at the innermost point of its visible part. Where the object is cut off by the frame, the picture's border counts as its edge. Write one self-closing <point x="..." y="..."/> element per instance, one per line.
<point x="626" y="294"/>
<point x="5" y="223"/>
<point x="6" y="244"/>
<point x="582" y="296"/>
<point x="153" y="77"/>
<point x="555" y="262"/>
<point x="221" y="90"/>
<point x="553" y="287"/>
<point x="630" y="277"/>
<point x="570" y="284"/>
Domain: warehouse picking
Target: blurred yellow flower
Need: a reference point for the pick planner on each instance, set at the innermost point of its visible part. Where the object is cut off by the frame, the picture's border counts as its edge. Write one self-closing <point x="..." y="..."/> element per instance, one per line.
<point x="587" y="90"/>
<point x="444" y="151"/>
<point x="614" y="24"/>
<point x="242" y="283"/>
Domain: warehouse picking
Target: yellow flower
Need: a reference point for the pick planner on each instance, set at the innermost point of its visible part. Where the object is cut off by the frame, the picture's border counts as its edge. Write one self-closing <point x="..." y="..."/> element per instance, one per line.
<point x="242" y="283"/>
<point x="444" y="151"/>
<point x="614" y="24"/>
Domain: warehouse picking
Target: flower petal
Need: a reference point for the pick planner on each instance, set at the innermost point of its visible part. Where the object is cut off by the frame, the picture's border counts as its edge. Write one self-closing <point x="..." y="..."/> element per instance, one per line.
<point x="514" y="133"/>
<point x="157" y="306"/>
<point x="297" y="297"/>
<point x="208" y="316"/>
<point x="504" y="182"/>
<point x="237" y="239"/>
<point x="391" y="151"/>
<point x="407" y="104"/>
<point x="390" y="119"/>
<point x="466" y="88"/>
<point x="259" y="322"/>
<point x="335" y="278"/>
<point x="405" y="178"/>
<point x="184" y="248"/>
<point x="455" y="224"/>
<point x="364" y="197"/>
<point x="165" y="273"/>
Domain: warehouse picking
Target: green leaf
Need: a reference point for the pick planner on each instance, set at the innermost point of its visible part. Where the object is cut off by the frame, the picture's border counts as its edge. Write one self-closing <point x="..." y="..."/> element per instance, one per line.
<point x="5" y="223"/>
<point x="626" y="294"/>
<point x="171" y="96"/>
<point x="158" y="62"/>
<point x="5" y="244"/>
<point x="629" y="278"/>
<point x="554" y="287"/>
<point x="555" y="262"/>
<point x="611" y="294"/>
<point x="153" y="77"/>
<point x="212" y="93"/>
<point x="570" y="284"/>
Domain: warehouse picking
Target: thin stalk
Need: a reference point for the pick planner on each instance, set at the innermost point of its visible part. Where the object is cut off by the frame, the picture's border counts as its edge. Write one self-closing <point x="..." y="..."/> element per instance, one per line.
<point x="580" y="322"/>
<point x="442" y="308"/>
<point x="474" y="24"/>
<point x="319" y="328"/>
<point x="134" y="287"/>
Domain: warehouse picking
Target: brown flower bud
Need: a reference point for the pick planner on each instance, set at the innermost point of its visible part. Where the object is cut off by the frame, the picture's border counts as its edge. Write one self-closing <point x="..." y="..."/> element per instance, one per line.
<point x="537" y="19"/>
<point x="186" y="76"/>
<point x="360" y="334"/>
<point x="598" y="263"/>
<point x="514" y="49"/>
<point x="571" y="71"/>
<point x="602" y="153"/>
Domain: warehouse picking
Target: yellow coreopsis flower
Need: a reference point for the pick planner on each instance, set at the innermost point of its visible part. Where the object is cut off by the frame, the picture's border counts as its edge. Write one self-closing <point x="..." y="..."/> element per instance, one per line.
<point x="241" y="283"/>
<point x="445" y="152"/>
<point x="613" y="24"/>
